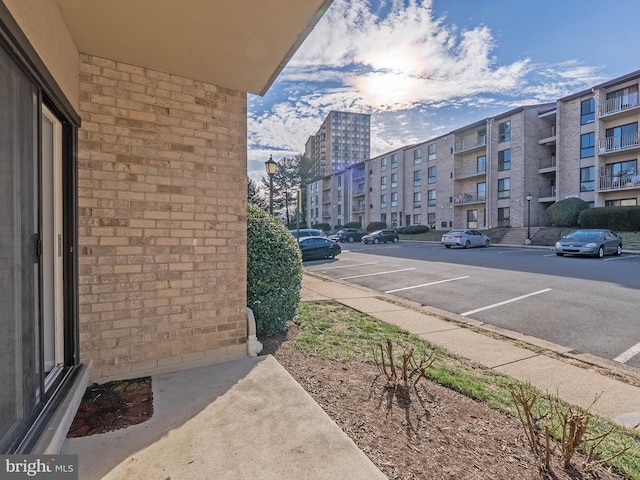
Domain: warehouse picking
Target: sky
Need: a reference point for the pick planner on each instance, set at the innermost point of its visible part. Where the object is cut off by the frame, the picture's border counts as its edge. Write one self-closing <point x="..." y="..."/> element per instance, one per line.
<point x="422" y="68"/>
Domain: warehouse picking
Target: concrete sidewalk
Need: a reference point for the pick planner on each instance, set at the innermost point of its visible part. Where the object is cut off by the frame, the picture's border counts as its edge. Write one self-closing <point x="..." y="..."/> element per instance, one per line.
<point x="241" y="420"/>
<point x="578" y="385"/>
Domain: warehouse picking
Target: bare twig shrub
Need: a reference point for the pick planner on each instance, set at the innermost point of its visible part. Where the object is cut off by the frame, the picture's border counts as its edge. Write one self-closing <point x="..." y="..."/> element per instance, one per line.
<point x="401" y="378"/>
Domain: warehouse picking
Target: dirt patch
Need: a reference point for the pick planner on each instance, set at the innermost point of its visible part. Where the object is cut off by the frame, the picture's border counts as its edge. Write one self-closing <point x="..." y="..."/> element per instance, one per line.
<point x="112" y="406"/>
<point x="439" y="433"/>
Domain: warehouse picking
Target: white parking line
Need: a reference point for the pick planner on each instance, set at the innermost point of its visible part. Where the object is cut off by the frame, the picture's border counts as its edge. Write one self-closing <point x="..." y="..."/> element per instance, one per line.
<point x="616" y="258"/>
<point x="471" y="312"/>
<point x="628" y="355"/>
<point x="344" y="266"/>
<point x="377" y="273"/>
<point x="426" y="284"/>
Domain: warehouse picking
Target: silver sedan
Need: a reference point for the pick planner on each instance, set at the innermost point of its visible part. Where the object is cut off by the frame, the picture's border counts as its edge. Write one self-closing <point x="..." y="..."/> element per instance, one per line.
<point x="465" y="239"/>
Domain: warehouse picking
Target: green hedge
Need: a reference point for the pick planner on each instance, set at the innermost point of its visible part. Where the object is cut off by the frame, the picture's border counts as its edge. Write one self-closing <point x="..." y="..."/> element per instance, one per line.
<point x="352" y="225"/>
<point x="325" y="227"/>
<point x="274" y="272"/>
<point x="623" y="219"/>
<point x="413" y="229"/>
<point x="373" y="226"/>
<point x="565" y="213"/>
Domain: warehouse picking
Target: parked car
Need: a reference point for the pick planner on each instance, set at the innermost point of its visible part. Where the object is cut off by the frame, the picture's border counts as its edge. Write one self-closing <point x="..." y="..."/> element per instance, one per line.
<point x="465" y="239"/>
<point x="386" y="235"/>
<point x="307" y="232"/>
<point x="314" y="248"/>
<point x="348" y="235"/>
<point x="592" y="242"/>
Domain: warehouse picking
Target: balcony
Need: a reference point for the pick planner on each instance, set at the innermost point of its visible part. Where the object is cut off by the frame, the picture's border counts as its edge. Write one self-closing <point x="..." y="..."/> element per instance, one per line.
<point x="469" y="171"/>
<point x="468" y="198"/>
<point x="547" y="135"/>
<point x="547" y="165"/>
<point x="618" y="182"/>
<point x="357" y="192"/>
<point x="470" y="144"/>
<point x="620" y="143"/>
<point x="547" y="194"/>
<point x="619" y="105"/>
<point x="358" y="208"/>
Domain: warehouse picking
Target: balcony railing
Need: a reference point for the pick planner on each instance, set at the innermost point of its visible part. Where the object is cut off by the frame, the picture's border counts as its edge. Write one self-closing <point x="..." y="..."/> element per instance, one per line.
<point x="546" y="162"/>
<point x="619" y="182"/>
<point x="358" y="191"/>
<point x="619" y="142"/>
<point x="466" y="198"/>
<point x="547" y="132"/>
<point x="470" y="171"/>
<point x="618" y="104"/>
<point x="358" y="208"/>
<point x="547" y="192"/>
<point x="469" y="144"/>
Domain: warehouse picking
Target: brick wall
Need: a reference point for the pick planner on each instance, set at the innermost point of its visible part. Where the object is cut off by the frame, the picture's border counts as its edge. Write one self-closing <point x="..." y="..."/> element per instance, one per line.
<point x="162" y="212"/>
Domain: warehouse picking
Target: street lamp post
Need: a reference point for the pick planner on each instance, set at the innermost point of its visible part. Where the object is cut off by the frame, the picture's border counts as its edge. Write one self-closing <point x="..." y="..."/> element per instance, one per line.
<point x="529" y="197"/>
<point x="270" y="166"/>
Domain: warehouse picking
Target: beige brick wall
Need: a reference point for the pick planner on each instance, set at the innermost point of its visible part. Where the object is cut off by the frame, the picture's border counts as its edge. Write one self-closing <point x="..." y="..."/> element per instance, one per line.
<point x="162" y="214"/>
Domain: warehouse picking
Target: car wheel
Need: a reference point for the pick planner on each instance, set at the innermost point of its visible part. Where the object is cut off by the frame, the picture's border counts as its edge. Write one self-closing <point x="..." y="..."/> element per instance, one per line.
<point x="486" y="243"/>
<point x="600" y="253"/>
<point x="619" y="250"/>
<point x="395" y="240"/>
<point x="331" y="254"/>
<point x="375" y="240"/>
<point x="447" y="246"/>
<point x="467" y="244"/>
<point x="560" y="254"/>
<point x="350" y="239"/>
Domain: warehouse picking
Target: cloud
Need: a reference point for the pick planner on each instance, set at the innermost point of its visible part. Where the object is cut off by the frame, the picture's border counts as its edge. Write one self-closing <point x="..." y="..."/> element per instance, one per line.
<point x="395" y="60"/>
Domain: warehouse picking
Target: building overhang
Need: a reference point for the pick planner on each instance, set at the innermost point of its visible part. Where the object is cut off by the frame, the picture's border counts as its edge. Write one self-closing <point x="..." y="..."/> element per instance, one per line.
<point x="239" y="44"/>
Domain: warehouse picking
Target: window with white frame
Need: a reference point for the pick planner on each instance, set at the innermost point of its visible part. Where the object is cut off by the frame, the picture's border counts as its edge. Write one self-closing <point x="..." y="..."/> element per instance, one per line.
<point x="417" y="199"/>
<point x="504" y="188"/>
<point x="394" y="160"/>
<point x="417" y="156"/>
<point x="394" y="199"/>
<point x="431" y="198"/>
<point x="504" y="131"/>
<point x="383" y="200"/>
<point x="431" y="174"/>
<point x="383" y="183"/>
<point x="394" y="180"/>
<point x="431" y="151"/>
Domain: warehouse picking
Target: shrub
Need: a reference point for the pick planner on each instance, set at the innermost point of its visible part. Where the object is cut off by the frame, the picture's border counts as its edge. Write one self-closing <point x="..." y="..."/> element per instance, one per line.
<point x="325" y="227"/>
<point x="373" y="226"/>
<point x="565" y="213"/>
<point x="352" y="225"/>
<point x="274" y="271"/>
<point x="624" y="219"/>
<point x="413" y="229"/>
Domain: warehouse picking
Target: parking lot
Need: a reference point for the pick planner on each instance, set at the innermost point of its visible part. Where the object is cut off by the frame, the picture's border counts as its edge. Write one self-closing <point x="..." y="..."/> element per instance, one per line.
<point x="587" y="304"/>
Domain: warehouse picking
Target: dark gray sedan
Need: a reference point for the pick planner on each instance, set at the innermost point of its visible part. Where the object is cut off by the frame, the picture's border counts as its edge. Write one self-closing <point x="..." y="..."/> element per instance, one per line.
<point x="592" y="242"/>
<point x="314" y="248"/>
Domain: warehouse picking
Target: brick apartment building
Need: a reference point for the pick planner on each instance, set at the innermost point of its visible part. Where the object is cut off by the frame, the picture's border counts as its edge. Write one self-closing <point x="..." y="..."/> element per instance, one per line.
<point x="123" y="159"/>
<point x="479" y="176"/>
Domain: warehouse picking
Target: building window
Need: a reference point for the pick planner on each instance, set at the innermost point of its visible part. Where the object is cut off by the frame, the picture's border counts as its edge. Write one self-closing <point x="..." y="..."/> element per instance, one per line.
<point x="383" y="201"/>
<point x="417" y="178"/>
<point x="394" y="180"/>
<point x="587" y="179"/>
<point x="383" y="183"/>
<point x="481" y="191"/>
<point x="504" y="160"/>
<point x="383" y="164"/>
<point x="431" y="220"/>
<point x="339" y="210"/>
<point x="482" y="137"/>
<point x="416" y="219"/>
<point x="504" y="215"/>
<point x="394" y="219"/>
<point x="622" y="136"/>
<point x="383" y="218"/>
<point x="417" y="199"/>
<point x="617" y="175"/>
<point x="417" y="156"/>
<point x="626" y="202"/>
<point x="431" y="174"/>
<point x="339" y="180"/>
<point x="431" y="151"/>
<point x="587" y="145"/>
<point x="504" y="186"/>
<point x="394" y="199"/>
<point x="587" y="111"/>
<point x="431" y="198"/>
<point x="504" y="131"/>
<point x="472" y="219"/>
<point x="481" y="164"/>
<point x="394" y="160"/>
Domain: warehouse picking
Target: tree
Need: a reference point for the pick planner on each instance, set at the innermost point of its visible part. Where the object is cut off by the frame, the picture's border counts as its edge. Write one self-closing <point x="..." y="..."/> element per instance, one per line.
<point x="286" y="181"/>
<point x="255" y="196"/>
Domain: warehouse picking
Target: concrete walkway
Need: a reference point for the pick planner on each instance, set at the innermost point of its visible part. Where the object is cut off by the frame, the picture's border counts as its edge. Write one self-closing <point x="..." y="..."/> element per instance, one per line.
<point x="550" y="371"/>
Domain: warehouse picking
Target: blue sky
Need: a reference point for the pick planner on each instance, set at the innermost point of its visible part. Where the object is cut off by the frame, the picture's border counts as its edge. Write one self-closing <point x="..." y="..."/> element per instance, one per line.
<point x="424" y="68"/>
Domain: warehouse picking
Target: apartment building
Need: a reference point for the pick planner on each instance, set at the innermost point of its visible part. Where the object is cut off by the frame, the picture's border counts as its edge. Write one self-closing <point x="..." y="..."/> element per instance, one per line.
<point x="505" y="171"/>
<point x="342" y="140"/>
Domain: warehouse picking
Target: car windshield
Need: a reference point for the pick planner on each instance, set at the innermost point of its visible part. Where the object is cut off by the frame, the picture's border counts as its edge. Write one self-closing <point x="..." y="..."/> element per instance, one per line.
<point x="456" y="232"/>
<point x="583" y="236"/>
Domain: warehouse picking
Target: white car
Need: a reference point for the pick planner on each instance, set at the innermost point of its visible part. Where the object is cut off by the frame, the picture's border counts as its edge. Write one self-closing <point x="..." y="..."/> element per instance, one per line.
<point x="465" y="239"/>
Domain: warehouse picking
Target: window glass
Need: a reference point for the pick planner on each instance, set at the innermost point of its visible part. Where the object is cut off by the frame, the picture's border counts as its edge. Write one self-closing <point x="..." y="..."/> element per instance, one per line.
<point x="394" y="160"/>
<point x="481" y="164"/>
<point x="504" y="185"/>
<point x="432" y="175"/>
<point x="504" y="160"/>
<point x="587" y="144"/>
<point x="417" y="156"/>
<point x="587" y="111"/>
<point x="417" y="178"/>
<point x="504" y="131"/>
<point x="587" y="179"/>
<point x="431" y="150"/>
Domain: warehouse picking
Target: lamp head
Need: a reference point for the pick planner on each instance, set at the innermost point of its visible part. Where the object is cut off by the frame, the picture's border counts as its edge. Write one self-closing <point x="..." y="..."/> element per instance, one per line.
<point x="270" y="166"/>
